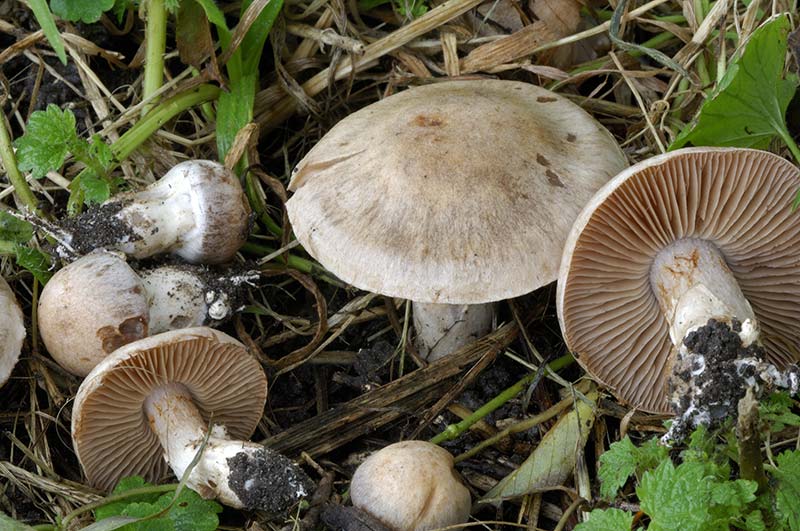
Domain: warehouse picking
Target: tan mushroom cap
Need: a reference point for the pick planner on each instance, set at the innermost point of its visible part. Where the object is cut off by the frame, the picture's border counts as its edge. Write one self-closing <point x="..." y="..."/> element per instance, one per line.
<point x="12" y="331"/>
<point x="90" y="308"/>
<point x="411" y="485"/>
<point x="110" y="431"/>
<point x="738" y="199"/>
<point x="459" y="192"/>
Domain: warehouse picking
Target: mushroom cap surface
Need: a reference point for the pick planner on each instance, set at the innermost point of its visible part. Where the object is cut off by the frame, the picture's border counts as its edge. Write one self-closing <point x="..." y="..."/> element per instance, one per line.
<point x="12" y="331"/>
<point x="460" y="192"/>
<point x="221" y="211"/>
<point x="411" y="485"/>
<point x="740" y="200"/>
<point x="90" y="308"/>
<point x="110" y="431"/>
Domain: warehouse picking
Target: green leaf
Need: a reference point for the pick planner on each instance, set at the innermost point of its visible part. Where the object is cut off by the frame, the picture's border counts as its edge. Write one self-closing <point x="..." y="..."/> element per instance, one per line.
<point x="9" y="524"/>
<point x="158" y="512"/>
<point x="234" y="112"/>
<point x="87" y="11"/>
<point x="675" y="498"/>
<point x="787" y="495"/>
<point x="35" y="261"/>
<point x="749" y="106"/>
<point x="48" y="24"/>
<point x="14" y="229"/>
<point x="649" y="455"/>
<point x="47" y="141"/>
<point x="606" y="520"/>
<point x="554" y="459"/>
<point x="776" y="411"/>
<point x="101" y="152"/>
<point x="617" y="464"/>
<point x="95" y="190"/>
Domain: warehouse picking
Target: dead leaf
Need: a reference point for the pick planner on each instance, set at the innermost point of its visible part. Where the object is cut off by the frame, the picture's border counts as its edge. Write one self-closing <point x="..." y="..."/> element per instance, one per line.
<point x="562" y="18"/>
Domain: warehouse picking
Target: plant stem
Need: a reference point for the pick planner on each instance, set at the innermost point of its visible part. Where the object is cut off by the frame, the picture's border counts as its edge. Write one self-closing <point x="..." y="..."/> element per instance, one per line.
<point x="157" y="117"/>
<point x="155" y="47"/>
<point x="790" y="143"/>
<point x="751" y="466"/>
<point x="294" y="262"/>
<point x="455" y="430"/>
<point x="21" y="188"/>
<point x="153" y="489"/>
<point x="7" y="247"/>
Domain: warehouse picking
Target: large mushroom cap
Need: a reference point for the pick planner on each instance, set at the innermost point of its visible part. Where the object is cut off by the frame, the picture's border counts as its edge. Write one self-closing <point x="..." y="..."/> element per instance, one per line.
<point x="90" y="308"/>
<point x="460" y="192"/>
<point x="12" y="331"/>
<point x="740" y="200"/>
<point x="110" y="431"/>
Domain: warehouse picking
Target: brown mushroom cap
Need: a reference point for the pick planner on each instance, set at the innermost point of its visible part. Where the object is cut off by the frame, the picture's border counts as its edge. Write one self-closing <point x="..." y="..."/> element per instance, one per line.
<point x="12" y="331"/>
<point x="90" y="308"/>
<point x="411" y="485"/>
<point x="459" y="192"/>
<point x="110" y="431"/>
<point x="738" y="199"/>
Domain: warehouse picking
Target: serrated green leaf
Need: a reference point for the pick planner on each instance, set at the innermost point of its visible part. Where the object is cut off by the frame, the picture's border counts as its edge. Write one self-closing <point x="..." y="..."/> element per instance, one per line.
<point x="172" y="5"/>
<point x="748" y="108"/>
<point x="606" y="520"/>
<point x="95" y="190"/>
<point x="675" y="498"/>
<point x="617" y="464"/>
<point x="787" y="494"/>
<point x="35" y="261"/>
<point x="48" y="24"/>
<point x="125" y="484"/>
<point x="755" y="522"/>
<point x="87" y="11"/>
<point x="649" y="455"/>
<point x="101" y="151"/>
<point x="13" y="229"/>
<point x="554" y="458"/>
<point x="9" y="524"/>
<point x="776" y="411"/>
<point x="47" y="141"/>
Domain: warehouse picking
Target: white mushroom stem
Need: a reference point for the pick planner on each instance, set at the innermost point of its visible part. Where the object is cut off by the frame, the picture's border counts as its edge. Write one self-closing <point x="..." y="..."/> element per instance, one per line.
<point x="181" y="430"/>
<point x="693" y="284"/>
<point x="441" y="329"/>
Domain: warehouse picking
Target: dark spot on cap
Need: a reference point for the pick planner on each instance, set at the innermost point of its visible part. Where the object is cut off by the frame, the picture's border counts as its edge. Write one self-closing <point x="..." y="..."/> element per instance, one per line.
<point x="427" y="121"/>
<point x="554" y="179"/>
<point x="571" y="137"/>
<point x="546" y="99"/>
<point x="128" y="331"/>
<point x="542" y="160"/>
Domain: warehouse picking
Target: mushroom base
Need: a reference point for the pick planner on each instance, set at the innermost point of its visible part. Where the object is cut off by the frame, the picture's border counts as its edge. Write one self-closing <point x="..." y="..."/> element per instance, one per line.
<point x="444" y="328"/>
<point x="240" y="474"/>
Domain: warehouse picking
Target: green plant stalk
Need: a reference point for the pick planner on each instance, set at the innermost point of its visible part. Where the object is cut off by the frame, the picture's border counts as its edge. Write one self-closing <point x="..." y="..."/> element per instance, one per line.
<point x="157" y="489"/>
<point x="21" y="188"/>
<point x="7" y="247"/>
<point x="295" y="262"/>
<point x="455" y="430"/>
<point x="790" y="143"/>
<point x="155" y="47"/>
<point x="259" y="206"/>
<point x="161" y="114"/>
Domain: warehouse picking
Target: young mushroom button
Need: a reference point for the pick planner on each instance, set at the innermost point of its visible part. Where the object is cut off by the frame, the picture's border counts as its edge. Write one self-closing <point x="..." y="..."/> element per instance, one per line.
<point x="675" y="275"/>
<point x="197" y="211"/>
<point x="411" y="486"/>
<point x="147" y="407"/>
<point x="452" y="195"/>
<point x="12" y="331"/>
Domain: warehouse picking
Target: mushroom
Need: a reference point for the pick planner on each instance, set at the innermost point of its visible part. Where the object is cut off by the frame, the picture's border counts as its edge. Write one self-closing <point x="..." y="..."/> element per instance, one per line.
<point x="157" y="402"/>
<point x="411" y="485"/>
<point x="455" y="193"/>
<point x="197" y="211"/>
<point x="98" y="303"/>
<point x="12" y="331"/>
<point x="677" y="272"/>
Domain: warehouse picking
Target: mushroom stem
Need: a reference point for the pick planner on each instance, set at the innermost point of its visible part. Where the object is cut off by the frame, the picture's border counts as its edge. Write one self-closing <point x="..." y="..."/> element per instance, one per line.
<point x="240" y="474"/>
<point x="444" y="328"/>
<point x="693" y="284"/>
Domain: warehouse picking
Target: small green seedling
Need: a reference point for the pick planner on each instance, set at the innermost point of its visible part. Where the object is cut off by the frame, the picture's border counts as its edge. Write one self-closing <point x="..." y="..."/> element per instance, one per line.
<point x="14" y="236"/>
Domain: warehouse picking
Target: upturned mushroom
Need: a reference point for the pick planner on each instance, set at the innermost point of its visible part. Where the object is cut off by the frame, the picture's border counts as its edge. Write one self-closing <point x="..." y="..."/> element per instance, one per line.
<point x="451" y="195"/>
<point x="676" y="274"/>
<point x="98" y="303"/>
<point x="197" y="211"/>
<point x="12" y="331"/>
<point x="411" y="486"/>
<point x="155" y="403"/>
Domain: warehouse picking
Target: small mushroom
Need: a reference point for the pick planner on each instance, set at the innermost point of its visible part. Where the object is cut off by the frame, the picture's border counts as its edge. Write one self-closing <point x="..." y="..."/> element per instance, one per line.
<point x="676" y="274"/>
<point x="197" y="211"/>
<point x="98" y="303"/>
<point x="451" y="194"/>
<point x="155" y="403"/>
<point x="12" y="331"/>
<point x="411" y="486"/>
